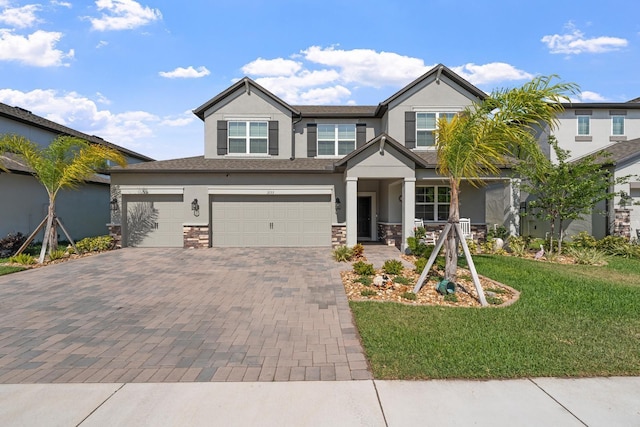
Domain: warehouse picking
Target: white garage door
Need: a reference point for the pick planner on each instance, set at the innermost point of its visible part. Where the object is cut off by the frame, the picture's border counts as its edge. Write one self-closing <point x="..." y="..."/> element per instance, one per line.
<point x="300" y="220"/>
<point x="154" y="220"/>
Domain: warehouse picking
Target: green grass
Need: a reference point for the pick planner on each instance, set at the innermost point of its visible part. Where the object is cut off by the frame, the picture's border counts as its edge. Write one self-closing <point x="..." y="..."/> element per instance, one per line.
<point x="570" y="321"/>
<point x="4" y="269"/>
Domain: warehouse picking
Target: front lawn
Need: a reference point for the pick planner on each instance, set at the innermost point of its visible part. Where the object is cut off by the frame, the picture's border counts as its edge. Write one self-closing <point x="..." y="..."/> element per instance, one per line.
<point x="570" y="321"/>
<point x="5" y="269"/>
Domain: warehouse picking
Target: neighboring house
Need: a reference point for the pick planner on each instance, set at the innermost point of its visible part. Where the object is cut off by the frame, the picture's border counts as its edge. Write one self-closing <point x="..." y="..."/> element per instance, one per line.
<point x="84" y="211"/>
<point x="275" y="174"/>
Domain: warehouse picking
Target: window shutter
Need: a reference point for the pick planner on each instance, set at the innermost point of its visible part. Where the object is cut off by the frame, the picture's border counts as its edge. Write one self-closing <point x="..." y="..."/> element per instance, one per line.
<point x="273" y="137"/>
<point x="410" y="129"/>
<point x="312" y="139"/>
<point x="222" y="137"/>
<point x="361" y="134"/>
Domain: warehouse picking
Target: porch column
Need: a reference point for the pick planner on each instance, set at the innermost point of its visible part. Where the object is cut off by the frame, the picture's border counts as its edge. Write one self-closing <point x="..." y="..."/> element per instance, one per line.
<point x="352" y="210"/>
<point x="408" y="210"/>
<point x="512" y="212"/>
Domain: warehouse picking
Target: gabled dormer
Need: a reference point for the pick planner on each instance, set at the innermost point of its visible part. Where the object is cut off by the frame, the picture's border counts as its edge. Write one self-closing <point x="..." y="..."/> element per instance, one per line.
<point x="246" y="120"/>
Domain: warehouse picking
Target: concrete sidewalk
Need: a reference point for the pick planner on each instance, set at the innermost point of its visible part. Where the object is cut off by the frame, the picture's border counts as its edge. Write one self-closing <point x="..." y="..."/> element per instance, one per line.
<point x="525" y="402"/>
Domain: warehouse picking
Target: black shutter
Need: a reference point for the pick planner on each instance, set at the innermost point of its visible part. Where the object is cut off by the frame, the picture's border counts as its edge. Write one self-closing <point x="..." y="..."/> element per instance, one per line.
<point x="410" y="129"/>
<point x="222" y="137"/>
<point x="312" y="139"/>
<point x="361" y="134"/>
<point x="273" y="137"/>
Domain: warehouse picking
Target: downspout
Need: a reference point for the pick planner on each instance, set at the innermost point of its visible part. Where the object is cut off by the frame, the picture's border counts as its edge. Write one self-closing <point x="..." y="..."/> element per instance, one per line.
<point x="293" y="138"/>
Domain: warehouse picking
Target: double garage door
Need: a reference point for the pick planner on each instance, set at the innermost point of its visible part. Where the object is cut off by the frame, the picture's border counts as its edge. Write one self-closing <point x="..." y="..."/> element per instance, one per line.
<point x="272" y="220"/>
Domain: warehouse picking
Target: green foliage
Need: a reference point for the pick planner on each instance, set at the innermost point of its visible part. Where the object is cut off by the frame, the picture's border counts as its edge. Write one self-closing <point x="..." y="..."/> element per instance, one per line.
<point x="368" y="292"/>
<point x="402" y="280"/>
<point x="392" y="266"/>
<point x="494" y="300"/>
<point x="500" y="232"/>
<point x="365" y="280"/>
<point x="518" y="245"/>
<point x="363" y="269"/>
<point x="95" y="244"/>
<point x="340" y="253"/>
<point x="473" y="246"/>
<point x="416" y="247"/>
<point x="420" y="264"/>
<point x="11" y="243"/>
<point x="357" y="250"/>
<point x="584" y="240"/>
<point x="615" y="245"/>
<point x="57" y="254"/>
<point x="451" y="298"/>
<point x="419" y="232"/>
<point x="24" y="259"/>
<point x="587" y="256"/>
<point x="409" y="295"/>
<point x="5" y="269"/>
<point x="488" y="246"/>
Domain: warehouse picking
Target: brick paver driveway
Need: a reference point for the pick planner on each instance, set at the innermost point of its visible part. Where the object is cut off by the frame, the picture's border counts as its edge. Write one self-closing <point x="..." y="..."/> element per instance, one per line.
<point x="160" y="315"/>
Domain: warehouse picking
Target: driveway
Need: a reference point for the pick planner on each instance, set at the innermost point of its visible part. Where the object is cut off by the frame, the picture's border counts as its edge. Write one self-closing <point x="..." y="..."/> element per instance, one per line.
<point x="169" y="315"/>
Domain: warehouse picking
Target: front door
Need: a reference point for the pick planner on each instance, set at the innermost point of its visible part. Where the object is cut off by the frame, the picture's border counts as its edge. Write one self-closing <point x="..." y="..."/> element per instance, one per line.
<point x="364" y="217"/>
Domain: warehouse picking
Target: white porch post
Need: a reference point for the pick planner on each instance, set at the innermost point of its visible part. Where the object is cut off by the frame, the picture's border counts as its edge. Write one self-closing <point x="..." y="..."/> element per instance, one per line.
<point x="513" y="211"/>
<point x="408" y="210"/>
<point x="352" y="210"/>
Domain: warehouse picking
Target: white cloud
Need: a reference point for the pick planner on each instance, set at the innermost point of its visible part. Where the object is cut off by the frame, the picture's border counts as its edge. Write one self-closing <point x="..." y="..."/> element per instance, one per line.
<point x="574" y="42"/>
<point x="20" y="17"/>
<point x="81" y="113"/>
<point x="101" y="44"/>
<point x="320" y="75"/>
<point x="588" y="96"/>
<point x="272" y="67"/>
<point x="123" y="15"/>
<point x="37" y="49"/>
<point x="185" y="73"/>
<point x="62" y="4"/>
<point x="183" y="119"/>
<point x="490" y="73"/>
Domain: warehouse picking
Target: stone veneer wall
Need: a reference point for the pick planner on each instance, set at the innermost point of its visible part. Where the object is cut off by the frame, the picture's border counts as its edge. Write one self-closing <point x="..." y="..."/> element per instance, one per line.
<point x="622" y="223"/>
<point x="115" y="231"/>
<point x="195" y="236"/>
<point x="479" y="230"/>
<point x="390" y="232"/>
<point x="338" y="235"/>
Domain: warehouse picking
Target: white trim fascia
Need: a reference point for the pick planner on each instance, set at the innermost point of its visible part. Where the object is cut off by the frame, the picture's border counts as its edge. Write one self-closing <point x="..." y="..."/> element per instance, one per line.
<point x="270" y="190"/>
<point x="150" y="189"/>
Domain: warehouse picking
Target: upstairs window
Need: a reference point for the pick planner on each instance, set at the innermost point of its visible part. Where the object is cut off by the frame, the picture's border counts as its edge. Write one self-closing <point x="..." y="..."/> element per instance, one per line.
<point x="336" y="140"/>
<point x="426" y="124"/>
<point x="617" y="125"/>
<point x="432" y="203"/>
<point x="246" y="137"/>
<point x="584" y="125"/>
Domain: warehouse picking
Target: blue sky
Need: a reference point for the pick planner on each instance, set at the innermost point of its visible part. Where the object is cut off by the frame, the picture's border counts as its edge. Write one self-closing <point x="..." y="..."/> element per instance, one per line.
<point x="132" y="71"/>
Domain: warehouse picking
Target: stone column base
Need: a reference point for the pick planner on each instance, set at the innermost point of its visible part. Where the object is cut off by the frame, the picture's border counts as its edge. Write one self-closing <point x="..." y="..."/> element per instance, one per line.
<point x="195" y="236"/>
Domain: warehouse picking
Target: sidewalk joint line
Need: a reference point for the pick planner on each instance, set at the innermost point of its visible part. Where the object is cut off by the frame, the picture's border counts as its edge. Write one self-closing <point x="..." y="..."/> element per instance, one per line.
<point x="384" y="417"/>
<point x="558" y="402"/>
<point x="100" y="405"/>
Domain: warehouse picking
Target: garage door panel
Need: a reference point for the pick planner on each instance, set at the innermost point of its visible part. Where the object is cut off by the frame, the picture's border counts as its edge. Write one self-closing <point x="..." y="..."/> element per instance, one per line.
<point x="154" y="220"/>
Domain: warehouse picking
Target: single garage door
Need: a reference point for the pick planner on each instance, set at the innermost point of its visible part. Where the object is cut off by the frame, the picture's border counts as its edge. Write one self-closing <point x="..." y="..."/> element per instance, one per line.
<point x="154" y="220"/>
<point x="281" y="221"/>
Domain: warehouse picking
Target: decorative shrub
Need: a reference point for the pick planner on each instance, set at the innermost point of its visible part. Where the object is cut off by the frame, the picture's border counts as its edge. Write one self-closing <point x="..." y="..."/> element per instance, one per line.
<point x="409" y="295"/>
<point x="363" y="269"/>
<point x="24" y="259"/>
<point x="473" y="246"/>
<point x="365" y="280"/>
<point x="420" y="263"/>
<point x="392" y="266"/>
<point x="340" y="254"/>
<point x="584" y="240"/>
<point x="451" y="298"/>
<point x="494" y="300"/>
<point x="57" y="254"/>
<point x="357" y="250"/>
<point x="95" y="244"/>
<point x="420" y="232"/>
<point x="10" y="244"/>
<point x="402" y="280"/>
<point x="518" y="245"/>
<point x="587" y="256"/>
<point x="368" y="292"/>
<point x="416" y="247"/>
<point x="500" y="232"/>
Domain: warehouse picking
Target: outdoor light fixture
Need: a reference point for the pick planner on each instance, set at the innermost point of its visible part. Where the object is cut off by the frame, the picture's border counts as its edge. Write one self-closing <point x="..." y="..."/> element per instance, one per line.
<point x="338" y="203"/>
<point x="523" y="208"/>
<point x="195" y="207"/>
<point x="114" y="205"/>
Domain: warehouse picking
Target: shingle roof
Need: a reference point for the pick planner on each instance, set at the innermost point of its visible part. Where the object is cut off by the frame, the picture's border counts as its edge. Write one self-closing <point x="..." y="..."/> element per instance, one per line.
<point x="612" y="105"/>
<point x="623" y="150"/>
<point x="14" y="163"/>
<point x="26" y="116"/>
<point x="337" y="110"/>
<point x="388" y="140"/>
<point x="199" y="165"/>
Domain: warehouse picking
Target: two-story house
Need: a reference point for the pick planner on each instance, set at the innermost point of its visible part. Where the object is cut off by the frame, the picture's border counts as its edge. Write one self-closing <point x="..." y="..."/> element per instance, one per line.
<point x="84" y="211"/>
<point x="275" y="174"/>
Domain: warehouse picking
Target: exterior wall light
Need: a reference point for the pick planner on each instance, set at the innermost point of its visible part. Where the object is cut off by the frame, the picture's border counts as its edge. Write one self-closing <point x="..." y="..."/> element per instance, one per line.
<point x="195" y="207"/>
<point x="338" y="204"/>
<point x="113" y="204"/>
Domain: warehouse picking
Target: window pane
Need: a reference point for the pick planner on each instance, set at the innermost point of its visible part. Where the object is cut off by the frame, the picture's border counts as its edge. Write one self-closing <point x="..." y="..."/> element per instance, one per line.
<point x="583" y="125"/>
<point x="425" y="138"/>
<point x="429" y="194"/>
<point x="426" y="120"/>
<point x="237" y="145"/>
<point x="258" y="145"/>
<point x="443" y="212"/>
<point x="425" y="212"/>
<point x="447" y="116"/>
<point x="345" y="147"/>
<point x="346" y="132"/>
<point x="326" y="148"/>
<point x="258" y="129"/>
<point x="326" y="132"/>
<point x="237" y="129"/>
<point x="443" y="195"/>
<point x="618" y="125"/>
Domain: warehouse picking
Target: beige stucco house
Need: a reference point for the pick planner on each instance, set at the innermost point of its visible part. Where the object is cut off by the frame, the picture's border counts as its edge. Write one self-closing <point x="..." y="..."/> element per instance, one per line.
<point x="23" y="200"/>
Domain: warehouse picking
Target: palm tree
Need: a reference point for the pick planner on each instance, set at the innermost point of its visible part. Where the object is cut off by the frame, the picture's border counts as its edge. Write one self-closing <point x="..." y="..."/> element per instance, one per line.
<point x="476" y="142"/>
<point x="66" y="162"/>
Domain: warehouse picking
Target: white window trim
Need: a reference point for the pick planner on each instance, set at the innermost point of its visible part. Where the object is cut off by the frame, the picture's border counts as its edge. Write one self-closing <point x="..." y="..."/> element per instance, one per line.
<point x="437" y="113"/>
<point x="624" y="125"/>
<point x="247" y="138"/>
<point x="578" y="125"/>
<point x="435" y="202"/>
<point x="335" y="140"/>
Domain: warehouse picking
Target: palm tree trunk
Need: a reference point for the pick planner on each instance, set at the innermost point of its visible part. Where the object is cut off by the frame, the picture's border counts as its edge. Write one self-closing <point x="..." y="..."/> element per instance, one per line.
<point x="451" y="247"/>
<point x="52" y="238"/>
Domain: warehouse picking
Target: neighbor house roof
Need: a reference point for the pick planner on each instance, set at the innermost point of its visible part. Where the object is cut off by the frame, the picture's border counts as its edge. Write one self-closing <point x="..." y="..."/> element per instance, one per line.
<point x="605" y="105"/>
<point x="25" y="116"/>
<point x="14" y="163"/>
<point x="622" y="151"/>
